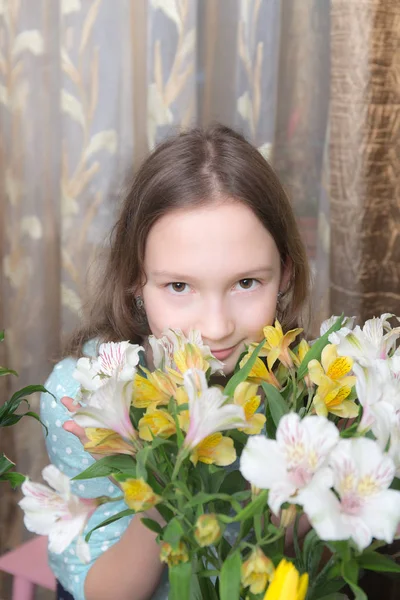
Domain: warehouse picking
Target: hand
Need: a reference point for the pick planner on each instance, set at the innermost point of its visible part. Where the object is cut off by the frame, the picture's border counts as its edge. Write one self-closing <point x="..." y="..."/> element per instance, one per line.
<point x="71" y="426"/>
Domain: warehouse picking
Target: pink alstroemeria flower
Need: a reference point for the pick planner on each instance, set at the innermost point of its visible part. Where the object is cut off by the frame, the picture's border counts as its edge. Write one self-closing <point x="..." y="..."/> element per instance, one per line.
<point x="108" y="408"/>
<point x="56" y="512"/>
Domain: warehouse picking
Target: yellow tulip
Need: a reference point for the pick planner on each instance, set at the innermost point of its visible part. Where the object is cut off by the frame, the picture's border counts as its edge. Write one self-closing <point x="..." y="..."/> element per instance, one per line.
<point x="277" y="345"/>
<point x="106" y="441"/>
<point x="138" y="495"/>
<point x="174" y="557"/>
<point x="215" y="449"/>
<point x="156" y="423"/>
<point x="246" y="395"/>
<point x="208" y="530"/>
<point x="257" y="570"/>
<point x="156" y="388"/>
<point x="334" y="384"/>
<point x="287" y="584"/>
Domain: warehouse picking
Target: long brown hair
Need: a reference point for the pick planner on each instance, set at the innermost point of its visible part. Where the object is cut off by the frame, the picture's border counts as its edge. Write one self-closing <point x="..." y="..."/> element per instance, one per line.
<point x="191" y="169"/>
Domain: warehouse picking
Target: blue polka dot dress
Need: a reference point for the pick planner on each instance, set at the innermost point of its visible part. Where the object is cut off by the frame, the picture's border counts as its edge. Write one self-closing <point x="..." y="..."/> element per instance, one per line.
<point x="67" y="454"/>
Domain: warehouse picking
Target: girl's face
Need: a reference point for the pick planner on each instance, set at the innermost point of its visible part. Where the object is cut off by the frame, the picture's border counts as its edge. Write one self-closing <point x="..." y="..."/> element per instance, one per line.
<point x="215" y="269"/>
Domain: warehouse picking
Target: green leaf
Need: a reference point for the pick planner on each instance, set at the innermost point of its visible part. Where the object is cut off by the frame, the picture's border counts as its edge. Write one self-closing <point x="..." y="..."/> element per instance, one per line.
<point x="141" y="460"/>
<point x="28" y="391"/>
<point x="5" y="464"/>
<point x="179" y="581"/>
<point x="269" y="425"/>
<point x="123" y="513"/>
<point x="316" y="349"/>
<point x="207" y="589"/>
<point x="104" y="467"/>
<point x="233" y="482"/>
<point x="4" y="371"/>
<point x="15" y="479"/>
<point x="242" y="374"/>
<point x="1" y="335"/>
<point x="229" y="584"/>
<point x="374" y="561"/>
<point x="328" y="589"/>
<point x="350" y="572"/>
<point x="276" y="403"/>
<point x="395" y="485"/>
<point x="334" y="596"/>
<point x="152" y="525"/>
<point x="173" y="533"/>
<point x="254" y="507"/>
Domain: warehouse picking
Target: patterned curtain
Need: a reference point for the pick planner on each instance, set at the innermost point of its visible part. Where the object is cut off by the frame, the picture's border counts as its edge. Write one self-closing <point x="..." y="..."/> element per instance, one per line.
<point x="87" y="87"/>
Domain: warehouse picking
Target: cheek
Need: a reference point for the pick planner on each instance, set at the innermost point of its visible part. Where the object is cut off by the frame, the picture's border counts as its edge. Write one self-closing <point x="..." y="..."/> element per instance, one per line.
<point x="161" y="315"/>
<point x="255" y="319"/>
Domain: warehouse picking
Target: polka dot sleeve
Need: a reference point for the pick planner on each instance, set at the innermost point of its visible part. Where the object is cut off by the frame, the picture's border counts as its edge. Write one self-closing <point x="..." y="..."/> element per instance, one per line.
<point x="67" y="454"/>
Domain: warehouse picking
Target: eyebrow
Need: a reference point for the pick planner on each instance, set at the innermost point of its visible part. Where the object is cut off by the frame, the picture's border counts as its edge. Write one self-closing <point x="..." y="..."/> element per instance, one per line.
<point x="244" y="275"/>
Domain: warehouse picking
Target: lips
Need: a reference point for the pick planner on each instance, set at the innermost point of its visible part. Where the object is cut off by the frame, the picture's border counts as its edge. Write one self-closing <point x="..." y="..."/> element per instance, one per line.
<point x="223" y="354"/>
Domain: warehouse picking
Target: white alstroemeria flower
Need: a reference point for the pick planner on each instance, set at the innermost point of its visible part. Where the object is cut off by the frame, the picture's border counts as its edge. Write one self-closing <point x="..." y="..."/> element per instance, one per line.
<point x="114" y="360"/>
<point x="373" y="387"/>
<point x="56" y="512"/>
<point x="208" y="411"/>
<point x="289" y="464"/>
<point x="365" y="507"/>
<point x="375" y="340"/>
<point x="108" y="408"/>
<point x="348" y="324"/>
<point x="378" y="389"/>
<point x="174" y="340"/>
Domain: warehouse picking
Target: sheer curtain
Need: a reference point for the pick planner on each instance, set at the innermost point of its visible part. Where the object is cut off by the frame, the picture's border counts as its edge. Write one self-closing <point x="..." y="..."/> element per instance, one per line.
<point x="87" y="87"/>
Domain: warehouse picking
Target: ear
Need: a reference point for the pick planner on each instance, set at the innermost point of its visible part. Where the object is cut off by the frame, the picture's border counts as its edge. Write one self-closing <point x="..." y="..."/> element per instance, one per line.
<point x="286" y="275"/>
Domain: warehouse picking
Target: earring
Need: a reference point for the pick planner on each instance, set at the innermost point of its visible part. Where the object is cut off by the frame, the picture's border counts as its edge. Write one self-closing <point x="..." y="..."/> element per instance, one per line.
<point x="279" y="296"/>
<point x="139" y="303"/>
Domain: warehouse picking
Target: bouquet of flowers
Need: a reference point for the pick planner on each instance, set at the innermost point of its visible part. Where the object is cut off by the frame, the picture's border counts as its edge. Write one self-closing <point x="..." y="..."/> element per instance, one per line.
<point x="300" y="433"/>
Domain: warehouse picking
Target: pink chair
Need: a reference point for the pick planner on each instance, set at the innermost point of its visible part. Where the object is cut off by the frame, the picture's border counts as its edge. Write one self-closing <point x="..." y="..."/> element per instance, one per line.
<point x="28" y="564"/>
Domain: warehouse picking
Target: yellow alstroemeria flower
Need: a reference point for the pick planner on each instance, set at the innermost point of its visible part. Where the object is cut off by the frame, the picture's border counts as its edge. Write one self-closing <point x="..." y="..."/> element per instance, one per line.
<point x="259" y="371"/>
<point x="334" y="384"/>
<point x="257" y="570"/>
<point x="182" y="398"/>
<point x="215" y="449"/>
<point x="106" y="441"/>
<point x="246" y="395"/>
<point x="208" y="530"/>
<point x="287" y="583"/>
<point x="174" y="557"/>
<point x="188" y="357"/>
<point x="298" y="357"/>
<point x="277" y="345"/>
<point x="157" y="388"/>
<point x="156" y="422"/>
<point x="138" y="495"/>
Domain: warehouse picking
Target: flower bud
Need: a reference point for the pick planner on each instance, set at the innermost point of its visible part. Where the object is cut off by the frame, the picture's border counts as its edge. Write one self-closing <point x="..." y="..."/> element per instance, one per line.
<point x="174" y="557"/>
<point x="208" y="530"/>
<point x="288" y="516"/>
<point x="257" y="570"/>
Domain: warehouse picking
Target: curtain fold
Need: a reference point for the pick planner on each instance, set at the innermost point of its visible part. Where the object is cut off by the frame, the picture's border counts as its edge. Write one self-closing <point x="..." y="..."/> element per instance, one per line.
<point x="365" y="158"/>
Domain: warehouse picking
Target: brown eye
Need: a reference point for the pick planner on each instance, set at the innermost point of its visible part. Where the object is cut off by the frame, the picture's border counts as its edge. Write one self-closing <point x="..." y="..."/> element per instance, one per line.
<point x="246" y="284"/>
<point x="178" y="286"/>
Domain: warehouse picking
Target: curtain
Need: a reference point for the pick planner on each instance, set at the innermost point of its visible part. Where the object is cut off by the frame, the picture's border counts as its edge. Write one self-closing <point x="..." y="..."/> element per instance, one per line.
<point x="88" y="87"/>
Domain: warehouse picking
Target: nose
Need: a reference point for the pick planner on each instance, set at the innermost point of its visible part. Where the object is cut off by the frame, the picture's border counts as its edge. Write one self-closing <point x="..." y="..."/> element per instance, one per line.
<point x="217" y="324"/>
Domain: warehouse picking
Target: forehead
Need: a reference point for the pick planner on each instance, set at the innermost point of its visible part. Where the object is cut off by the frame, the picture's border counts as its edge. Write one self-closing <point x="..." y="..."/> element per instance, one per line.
<point x="222" y="237"/>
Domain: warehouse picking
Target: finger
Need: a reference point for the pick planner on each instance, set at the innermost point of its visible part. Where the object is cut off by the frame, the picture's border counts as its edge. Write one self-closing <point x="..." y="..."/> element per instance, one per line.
<point x="76" y="430"/>
<point x="70" y="404"/>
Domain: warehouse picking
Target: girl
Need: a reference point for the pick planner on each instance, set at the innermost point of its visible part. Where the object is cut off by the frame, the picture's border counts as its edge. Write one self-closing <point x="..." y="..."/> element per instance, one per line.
<point x="206" y="240"/>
